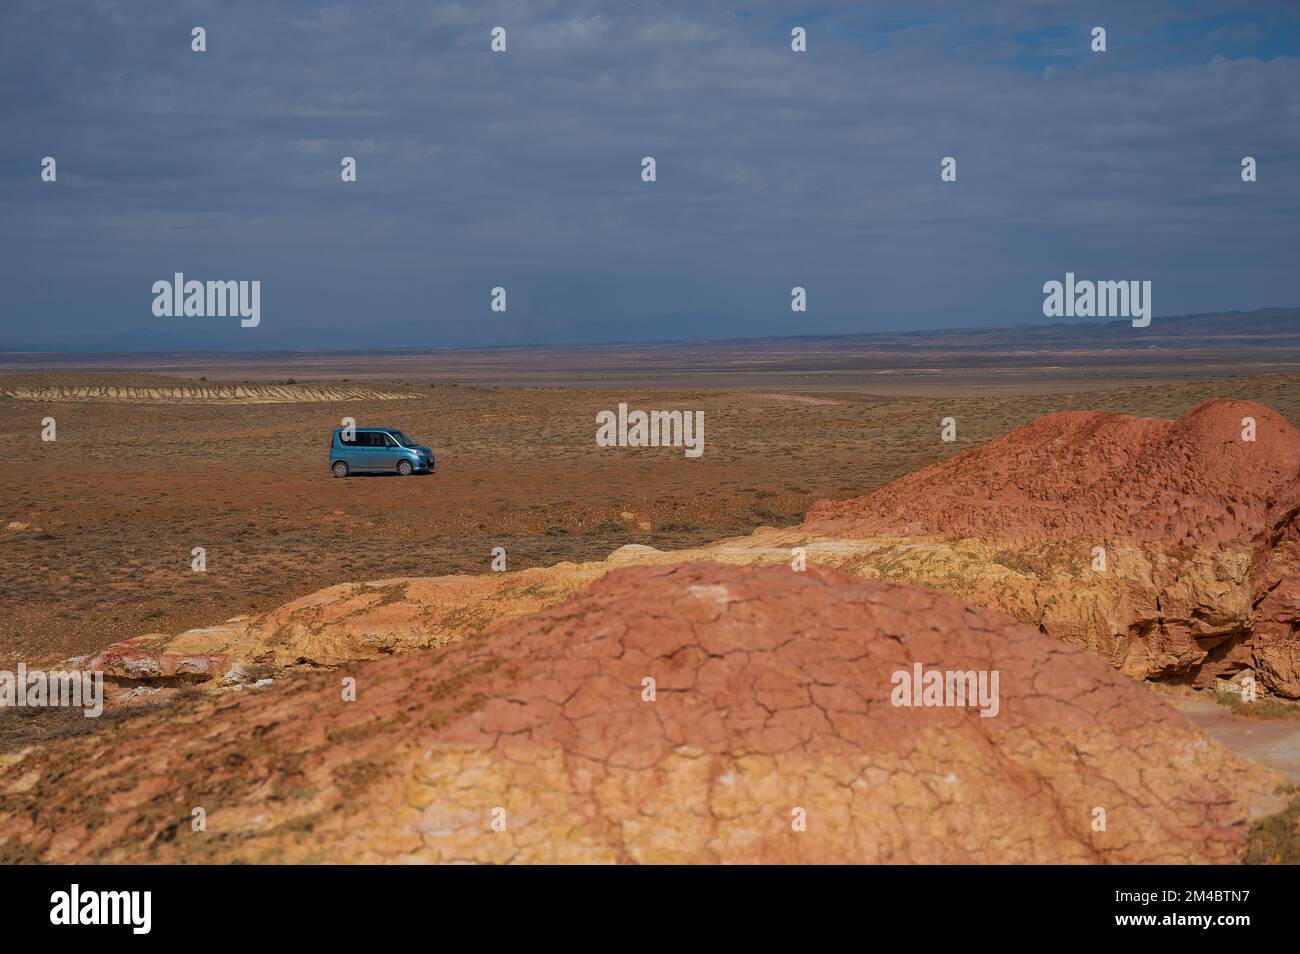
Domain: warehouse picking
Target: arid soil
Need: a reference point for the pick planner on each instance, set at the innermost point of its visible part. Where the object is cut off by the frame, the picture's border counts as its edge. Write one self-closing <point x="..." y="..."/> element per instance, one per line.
<point x="1274" y="741"/>
<point x="1203" y="583"/>
<point x="686" y="713"/>
<point x="97" y="527"/>
<point x="1110" y="532"/>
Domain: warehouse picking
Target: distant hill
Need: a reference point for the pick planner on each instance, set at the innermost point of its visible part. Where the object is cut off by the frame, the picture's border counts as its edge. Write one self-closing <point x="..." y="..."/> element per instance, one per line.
<point x="1231" y="330"/>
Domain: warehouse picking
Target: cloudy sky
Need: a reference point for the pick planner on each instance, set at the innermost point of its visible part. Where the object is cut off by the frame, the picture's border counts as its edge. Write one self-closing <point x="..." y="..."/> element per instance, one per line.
<point x="775" y="168"/>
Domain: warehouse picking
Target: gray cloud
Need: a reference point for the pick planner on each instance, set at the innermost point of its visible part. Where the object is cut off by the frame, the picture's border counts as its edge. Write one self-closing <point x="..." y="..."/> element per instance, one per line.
<point x="522" y="169"/>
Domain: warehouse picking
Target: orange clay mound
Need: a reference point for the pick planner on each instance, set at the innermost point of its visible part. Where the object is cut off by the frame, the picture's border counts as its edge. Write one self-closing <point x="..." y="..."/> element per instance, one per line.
<point x="772" y="703"/>
<point x="1224" y="510"/>
<point x="1086" y="475"/>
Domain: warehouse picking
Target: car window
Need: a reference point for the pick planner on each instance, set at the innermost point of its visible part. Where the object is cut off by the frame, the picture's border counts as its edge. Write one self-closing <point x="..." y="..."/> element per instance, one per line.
<point x="347" y="441"/>
<point x="388" y="440"/>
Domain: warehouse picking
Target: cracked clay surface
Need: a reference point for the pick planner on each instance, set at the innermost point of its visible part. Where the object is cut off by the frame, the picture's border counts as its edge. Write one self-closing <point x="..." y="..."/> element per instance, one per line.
<point x="772" y="694"/>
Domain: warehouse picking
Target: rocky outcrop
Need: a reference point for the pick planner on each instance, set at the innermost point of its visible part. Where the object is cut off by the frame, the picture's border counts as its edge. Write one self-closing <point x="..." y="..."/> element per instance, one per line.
<point x="1275" y="581"/>
<point x="678" y="713"/>
<point x="355" y="621"/>
<point x="1206" y="500"/>
<point x="1153" y="613"/>
<point x="1085" y="476"/>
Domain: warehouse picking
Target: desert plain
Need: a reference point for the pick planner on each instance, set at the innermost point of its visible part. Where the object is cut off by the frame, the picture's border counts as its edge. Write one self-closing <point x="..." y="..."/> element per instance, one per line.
<point x="487" y="685"/>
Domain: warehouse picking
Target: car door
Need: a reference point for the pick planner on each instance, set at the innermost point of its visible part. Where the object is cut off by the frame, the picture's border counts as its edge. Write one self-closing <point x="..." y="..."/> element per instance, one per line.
<point x="361" y="452"/>
<point x="386" y="453"/>
<point x="376" y="451"/>
<point x="351" y="450"/>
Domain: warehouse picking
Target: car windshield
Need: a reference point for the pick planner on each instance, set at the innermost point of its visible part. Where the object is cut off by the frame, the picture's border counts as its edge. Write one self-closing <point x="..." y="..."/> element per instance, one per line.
<point x="402" y="439"/>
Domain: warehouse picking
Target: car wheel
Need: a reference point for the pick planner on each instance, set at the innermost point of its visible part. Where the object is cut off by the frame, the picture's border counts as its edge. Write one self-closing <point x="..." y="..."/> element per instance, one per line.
<point x="340" y="468"/>
<point x="404" y="468"/>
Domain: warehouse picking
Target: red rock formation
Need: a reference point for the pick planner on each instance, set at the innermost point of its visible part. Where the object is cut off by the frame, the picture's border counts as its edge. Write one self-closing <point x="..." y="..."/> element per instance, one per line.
<point x="1089" y="476"/>
<point x="772" y="702"/>
<point x="1275" y="580"/>
<point x="1193" y="489"/>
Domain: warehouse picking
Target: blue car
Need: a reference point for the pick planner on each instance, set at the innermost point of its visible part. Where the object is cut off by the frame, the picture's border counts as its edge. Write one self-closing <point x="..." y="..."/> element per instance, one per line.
<point x="377" y="450"/>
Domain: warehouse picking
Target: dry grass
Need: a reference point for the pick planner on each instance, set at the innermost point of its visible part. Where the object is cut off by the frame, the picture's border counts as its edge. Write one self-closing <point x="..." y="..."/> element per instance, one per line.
<point x="1264" y="709"/>
<point x="1275" y="840"/>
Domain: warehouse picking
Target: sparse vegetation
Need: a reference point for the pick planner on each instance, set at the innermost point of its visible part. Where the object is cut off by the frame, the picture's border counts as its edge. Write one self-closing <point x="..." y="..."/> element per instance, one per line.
<point x="1262" y="708"/>
<point x="1275" y="840"/>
